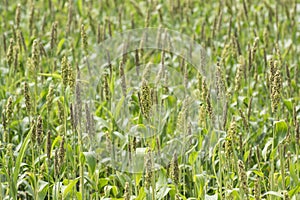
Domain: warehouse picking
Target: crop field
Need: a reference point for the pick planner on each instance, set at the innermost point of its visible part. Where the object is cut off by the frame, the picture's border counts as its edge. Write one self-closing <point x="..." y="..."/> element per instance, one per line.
<point x="153" y="99"/>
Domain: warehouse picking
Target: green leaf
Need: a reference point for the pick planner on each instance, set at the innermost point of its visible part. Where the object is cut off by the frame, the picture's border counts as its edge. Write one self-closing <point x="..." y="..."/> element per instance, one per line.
<point x="193" y="157"/>
<point x="142" y="194"/>
<point x="19" y="159"/>
<point x="79" y="7"/>
<point x="288" y="103"/>
<point x="119" y="106"/>
<point x="103" y="182"/>
<point x="163" y="191"/>
<point x="78" y="196"/>
<point x="60" y="45"/>
<point x="294" y="191"/>
<point x="90" y="161"/>
<point x="82" y="158"/>
<point x="69" y="187"/>
<point x="281" y="129"/>
<point x="259" y="173"/>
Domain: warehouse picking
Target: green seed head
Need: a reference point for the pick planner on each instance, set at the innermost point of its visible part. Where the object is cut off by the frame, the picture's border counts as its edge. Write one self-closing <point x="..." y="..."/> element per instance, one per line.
<point x="84" y="38"/>
<point x="48" y="145"/>
<point x="146" y="100"/>
<point x="65" y="70"/>
<point x="148" y="168"/>
<point x="62" y="151"/>
<point x="243" y="178"/>
<point x="127" y="192"/>
<point x="175" y="169"/>
<point x="53" y="35"/>
<point x="9" y="109"/>
<point x="49" y="98"/>
<point x="39" y="130"/>
<point x="18" y="15"/>
<point x="10" y="53"/>
<point x="35" y="55"/>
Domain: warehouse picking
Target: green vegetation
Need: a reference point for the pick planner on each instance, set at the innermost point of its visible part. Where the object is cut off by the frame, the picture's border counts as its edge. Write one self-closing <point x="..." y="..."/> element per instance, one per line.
<point x="48" y="131"/>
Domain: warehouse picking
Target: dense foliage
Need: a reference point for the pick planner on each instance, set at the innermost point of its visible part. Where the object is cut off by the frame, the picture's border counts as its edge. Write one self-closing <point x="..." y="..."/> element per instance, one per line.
<point x="244" y="140"/>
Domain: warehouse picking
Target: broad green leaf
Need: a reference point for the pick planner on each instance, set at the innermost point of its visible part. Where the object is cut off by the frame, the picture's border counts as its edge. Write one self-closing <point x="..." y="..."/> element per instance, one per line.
<point x="60" y="45"/>
<point x="90" y="161"/>
<point x="288" y="103"/>
<point x="294" y="191"/>
<point x="163" y="191"/>
<point x="82" y="158"/>
<point x="69" y="187"/>
<point x="19" y="159"/>
<point x="142" y="194"/>
<point x="281" y="129"/>
<point x="103" y="182"/>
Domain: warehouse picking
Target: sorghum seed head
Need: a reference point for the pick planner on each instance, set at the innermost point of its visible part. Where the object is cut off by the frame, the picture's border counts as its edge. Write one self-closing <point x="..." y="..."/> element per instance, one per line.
<point x="276" y="90"/>
<point x="9" y="109"/>
<point x="39" y="130"/>
<point x="62" y="151"/>
<point x="56" y="163"/>
<point x="181" y="124"/>
<point x="35" y="54"/>
<point x="175" y="169"/>
<point x="64" y="70"/>
<point x="33" y="133"/>
<point x="230" y="138"/>
<point x="221" y="87"/>
<point x="31" y="18"/>
<point x="238" y="77"/>
<point x="204" y="90"/>
<point x="84" y="38"/>
<point x="49" y="98"/>
<point x="48" y="145"/>
<point x="146" y="100"/>
<point x="61" y="111"/>
<point x="4" y="124"/>
<point x="127" y="192"/>
<point x="243" y="177"/>
<point x="71" y="76"/>
<point x="257" y="189"/>
<point x="106" y="91"/>
<point x="53" y="34"/>
<point x="148" y="168"/>
<point x="10" y="52"/>
<point x="202" y="115"/>
<point x="18" y="15"/>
